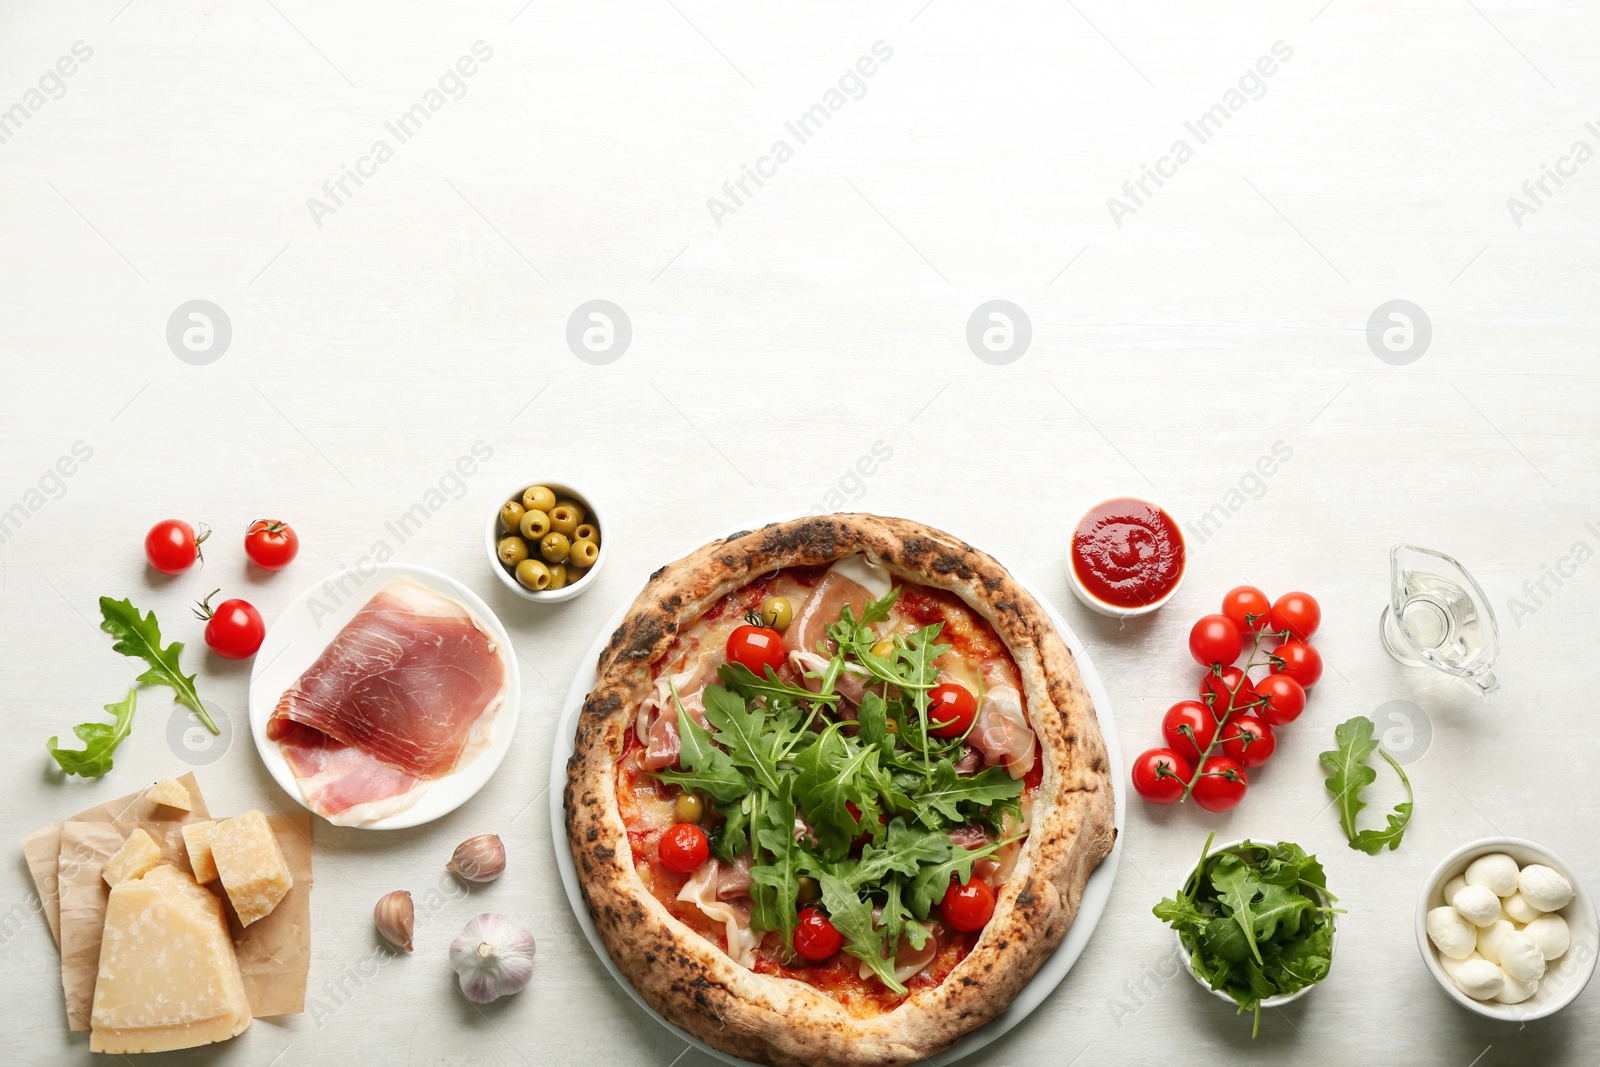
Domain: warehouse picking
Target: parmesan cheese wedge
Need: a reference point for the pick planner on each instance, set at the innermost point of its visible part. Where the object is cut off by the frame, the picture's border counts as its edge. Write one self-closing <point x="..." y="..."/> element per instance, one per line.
<point x="168" y="977"/>
<point x="250" y="864"/>
<point x="138" y="854"/>
<point x="197" y="842"/>
<point x="170" y="791"/>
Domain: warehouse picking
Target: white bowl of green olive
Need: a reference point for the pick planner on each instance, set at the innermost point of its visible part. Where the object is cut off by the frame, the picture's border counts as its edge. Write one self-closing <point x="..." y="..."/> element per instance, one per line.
<point x="545" y="541"/>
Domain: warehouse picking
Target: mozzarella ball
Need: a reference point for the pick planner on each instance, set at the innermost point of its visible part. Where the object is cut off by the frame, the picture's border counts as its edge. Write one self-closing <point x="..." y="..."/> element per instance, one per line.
<point x="1477" y="904"/>
<point x="1518" y="910"/>
<point x="1544" y="888"/>
<point x="1451" y="934"/>
<point x="1550" y="933"/>
<point x="1489" y="939"/>
<point x="1496" y="871"/>
<point x="1450" y="966"/>
<point x="1454" y="886"/>
<point x="1480" y="979"/>
<point x="1516" y="990"/>
<point x="1520" y="957"/>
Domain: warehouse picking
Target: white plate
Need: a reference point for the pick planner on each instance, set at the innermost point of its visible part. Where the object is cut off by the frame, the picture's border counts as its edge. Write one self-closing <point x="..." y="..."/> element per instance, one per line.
<point x="1095" y="894"/>
<point x="311" y="621"/>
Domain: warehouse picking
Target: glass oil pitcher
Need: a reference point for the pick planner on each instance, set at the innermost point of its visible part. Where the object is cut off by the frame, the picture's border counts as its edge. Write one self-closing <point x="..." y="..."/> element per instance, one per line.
<point x="1438" y="617"/>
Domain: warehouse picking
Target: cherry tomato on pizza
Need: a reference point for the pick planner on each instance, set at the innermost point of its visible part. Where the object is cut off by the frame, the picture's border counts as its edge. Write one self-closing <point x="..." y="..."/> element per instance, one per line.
<point x="967" y="906"/>
<point x="815" y="937"/>
<point x="756" y="648"/>
<point x="1161" y="775"/>
<point x="1299" y="661"/>
<point x="1248" y="608"/>
<point x="1222" y="784"/>
<point x="951" y="710"/>
<point x="683" y="848"/>
<point x="1215" y="639"/>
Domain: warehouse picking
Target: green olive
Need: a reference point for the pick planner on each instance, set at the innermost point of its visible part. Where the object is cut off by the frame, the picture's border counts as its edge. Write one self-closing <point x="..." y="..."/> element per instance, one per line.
<point x="810" y="891"/>
<point x="689" y="807"/>
<point x="558" y="576"/>
<point x="510" y="516"/>
<point x="555" y="547"/>
<point x="777" y="612"/>
<point x="563" y="520"/>
<point x="584" y="553"/>
<point x="587" y="531"/>
<point x="575" y="507"/>
<point x="534" y="575"/>
<point x="512" y="551"/>
<point x="538" y="498"/>
<point x="534" y="525"/>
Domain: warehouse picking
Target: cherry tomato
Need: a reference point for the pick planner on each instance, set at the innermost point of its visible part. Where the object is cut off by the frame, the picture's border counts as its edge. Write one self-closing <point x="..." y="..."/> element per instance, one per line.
<point x="271" y="544"/>
<point x="683" y="848"/>
<point x="1299" y="661"/>
<point x="1222" y="784"/>
<point x="172" y="547"/>
<point x="233" y="628"/>
<point x="1299" y="613"/>
<point x="1215" y="639"/>
<point x="815" y="937"/>
<point x="1249" y="739"/>
<point x="1247" y="606"/>
<point x="1188" y="727"/>
<point x="1160" y="775"/>
<point x="757" y="648"/>
<point x="1285" y="699"/>
<point x="1214" y="690"/>
<point x="967" y="907"/>
<point x="953" y="708"/>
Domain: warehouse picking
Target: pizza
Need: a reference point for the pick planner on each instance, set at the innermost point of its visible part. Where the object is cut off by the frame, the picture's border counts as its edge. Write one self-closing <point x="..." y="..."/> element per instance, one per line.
<point x="836" y="792"/>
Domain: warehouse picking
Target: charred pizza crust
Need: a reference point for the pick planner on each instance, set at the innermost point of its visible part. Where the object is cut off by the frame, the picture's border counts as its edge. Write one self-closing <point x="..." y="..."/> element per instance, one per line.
<point x="782" y="1022"/>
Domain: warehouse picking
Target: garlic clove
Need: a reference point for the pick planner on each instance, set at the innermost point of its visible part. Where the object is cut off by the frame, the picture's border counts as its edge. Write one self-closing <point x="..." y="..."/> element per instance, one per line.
<point x="395" y="917"/>
<point x="479" y="859"/>
<point x="492" y="958"/>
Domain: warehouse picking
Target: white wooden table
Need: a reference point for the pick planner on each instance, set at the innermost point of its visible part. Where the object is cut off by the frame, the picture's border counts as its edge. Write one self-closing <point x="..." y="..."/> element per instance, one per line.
<point x="777" y="338"/>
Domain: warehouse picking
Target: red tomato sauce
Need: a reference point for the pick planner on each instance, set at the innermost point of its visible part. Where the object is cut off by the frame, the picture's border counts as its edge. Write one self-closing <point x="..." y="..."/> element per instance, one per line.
<point x="1127" y="552"/>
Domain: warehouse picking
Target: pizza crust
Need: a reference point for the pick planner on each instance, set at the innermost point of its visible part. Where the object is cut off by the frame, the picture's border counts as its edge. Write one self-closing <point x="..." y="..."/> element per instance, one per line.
<point x="787" y="1023"/>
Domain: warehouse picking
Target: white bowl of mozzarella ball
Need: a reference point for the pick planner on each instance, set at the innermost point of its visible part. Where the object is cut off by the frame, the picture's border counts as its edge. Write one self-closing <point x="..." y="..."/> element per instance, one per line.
<point x="1507" y="930"/>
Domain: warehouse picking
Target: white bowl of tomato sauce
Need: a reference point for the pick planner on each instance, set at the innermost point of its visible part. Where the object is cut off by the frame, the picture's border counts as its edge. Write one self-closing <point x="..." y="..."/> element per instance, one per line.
<point x="1127" y="557"/>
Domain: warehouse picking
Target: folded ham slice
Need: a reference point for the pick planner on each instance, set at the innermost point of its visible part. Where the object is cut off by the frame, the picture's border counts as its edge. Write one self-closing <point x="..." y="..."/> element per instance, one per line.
<point x="404" y="694"/>
<point x="1002" y="733"/>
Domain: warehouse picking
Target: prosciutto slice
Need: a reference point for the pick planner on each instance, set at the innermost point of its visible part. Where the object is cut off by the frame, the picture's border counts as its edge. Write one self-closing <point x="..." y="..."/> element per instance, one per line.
<point x="701" y="891"/>
<point x="1002" y="733"/>
<point x="404" y="694"/>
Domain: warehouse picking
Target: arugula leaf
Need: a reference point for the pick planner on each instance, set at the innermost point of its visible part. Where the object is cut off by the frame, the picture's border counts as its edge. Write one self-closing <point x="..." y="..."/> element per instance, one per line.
<point x="706" y="767"/>
<point x="948" y="791"/>
<point x="825" y="783"/>
<point x="731" y="838"/>
<point x="140" y="637"/>
<point x="739" y="728"/>
<point x="905" y="852"/>
<point x="852" y="917"/>
<point x="929" y="886"/>
<point x="1349" y="774"/>
<point x="99" y="739"/>
<point x="741" y="678"/>
<point x="775" y="884"/>
<point x="896" y="921"/>
<point x="878" y="610"/>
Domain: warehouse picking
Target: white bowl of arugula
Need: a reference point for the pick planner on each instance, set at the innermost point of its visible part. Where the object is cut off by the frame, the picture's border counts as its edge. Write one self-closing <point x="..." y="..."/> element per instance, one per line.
<point x="1255" y="922"/>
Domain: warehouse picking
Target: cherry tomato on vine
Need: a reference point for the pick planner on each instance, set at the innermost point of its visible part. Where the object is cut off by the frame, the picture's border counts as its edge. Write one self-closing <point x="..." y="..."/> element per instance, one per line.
<point x="1247" y="606"/>
<point x="1299" y="613"/>
<point x="815" y="937"/>
<point x="1188" y="727"/>
<point x="1161" y="775"/>
<point x="1215" y="639"/>
<point x="234" y="629"/>
<point x="683" y="848"/>
<point x="271" y="544"/>
<point x="953" y="708"/>
<point x="756" y="648"/>
<point x="171" y="546"/>
<point x="1215" y="689"/>
<point x="1222" y="784"/>
<point x="967" y="907"/>
<point x="1249" y="739"/>
<point x="1285" y="699"/>
<point x="1299" y="661"/>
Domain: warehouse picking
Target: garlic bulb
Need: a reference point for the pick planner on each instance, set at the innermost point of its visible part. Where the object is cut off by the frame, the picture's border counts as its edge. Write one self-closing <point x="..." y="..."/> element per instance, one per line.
<point x="493" y="957"/>
<point x="395" y="917"/>
<point x="479" y="859"/>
